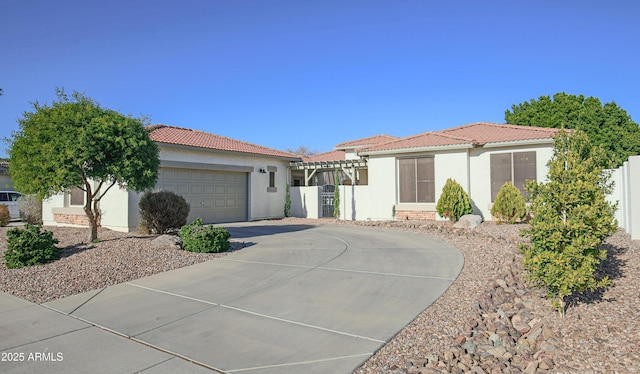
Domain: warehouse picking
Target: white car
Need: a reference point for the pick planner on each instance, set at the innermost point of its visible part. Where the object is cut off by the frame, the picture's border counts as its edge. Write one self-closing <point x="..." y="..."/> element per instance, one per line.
<point x="10" y="199"/>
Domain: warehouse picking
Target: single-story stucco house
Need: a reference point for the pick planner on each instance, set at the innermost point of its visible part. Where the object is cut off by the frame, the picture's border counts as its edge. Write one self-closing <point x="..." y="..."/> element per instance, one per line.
<point x="405" y="176"/>
<point x="223" y="180"/>
<point x="381" y="177"/>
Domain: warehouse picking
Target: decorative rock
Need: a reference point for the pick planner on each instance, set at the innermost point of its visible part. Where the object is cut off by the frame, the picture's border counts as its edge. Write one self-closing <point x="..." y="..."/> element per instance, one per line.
<point x="497" y="351"/>
<point x="468" y="221"/>
<point x="531" y="368"/>
<point x="460" y="339"/>
<point x="166" y="241"/>
<point x="546" y="363"/>
<point x="478" y="370"/>
<point x="496" y="340"/>
<point x="469" y="347"/>
<point x="448" y="355"/>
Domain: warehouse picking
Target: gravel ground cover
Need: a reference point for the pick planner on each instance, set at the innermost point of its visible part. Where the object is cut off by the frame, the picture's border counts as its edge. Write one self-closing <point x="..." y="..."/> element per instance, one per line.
<point x="600" y="333"/>
<point x="118" y="257"/>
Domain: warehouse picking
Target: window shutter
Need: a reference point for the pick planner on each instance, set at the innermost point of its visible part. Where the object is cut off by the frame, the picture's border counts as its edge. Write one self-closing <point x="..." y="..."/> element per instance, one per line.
<point x="500" y="172"/>
<point x="425" y="180"/>
<point x="407" y="171"/>
<point x="524" y="168"/>
<point x="77" y="196"/>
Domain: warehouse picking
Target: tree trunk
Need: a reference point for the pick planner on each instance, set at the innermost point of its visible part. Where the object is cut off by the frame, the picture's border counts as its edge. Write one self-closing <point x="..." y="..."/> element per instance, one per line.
<point x="93" y="226"/>
<point x="91" y="216"/>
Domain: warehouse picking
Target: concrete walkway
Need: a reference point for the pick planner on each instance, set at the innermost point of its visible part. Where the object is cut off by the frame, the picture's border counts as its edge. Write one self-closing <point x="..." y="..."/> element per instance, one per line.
<point x="299" y="299"/>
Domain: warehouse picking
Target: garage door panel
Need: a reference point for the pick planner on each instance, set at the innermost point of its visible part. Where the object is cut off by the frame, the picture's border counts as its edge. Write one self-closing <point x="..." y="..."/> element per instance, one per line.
<point x="213" y="196"/>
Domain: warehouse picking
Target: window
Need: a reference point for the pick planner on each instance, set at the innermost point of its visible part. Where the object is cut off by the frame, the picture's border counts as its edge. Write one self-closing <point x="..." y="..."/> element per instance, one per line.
<point x="416" y="180"/>
<point x="272" y="179"/>
<point x="76" y="196"/>
<point x="516" y="167"/>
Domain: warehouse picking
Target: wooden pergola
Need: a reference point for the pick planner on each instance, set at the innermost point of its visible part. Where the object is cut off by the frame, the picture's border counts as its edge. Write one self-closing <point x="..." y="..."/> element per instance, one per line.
<point x="310" y="168"/>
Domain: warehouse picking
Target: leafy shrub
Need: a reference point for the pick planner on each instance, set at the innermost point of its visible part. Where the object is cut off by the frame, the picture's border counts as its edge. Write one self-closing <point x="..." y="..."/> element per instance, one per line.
<point x="509" y="205"/>
<point x="5" y="216"/>
<point x="287" y="202"/>
<point x="453" y="202"/>
<point x="197" y="237"/>
<point x="571" y="219"/>
<point x="30" y="247"/>
<point x="162" y="212"/>
<point x="30" y="207"/>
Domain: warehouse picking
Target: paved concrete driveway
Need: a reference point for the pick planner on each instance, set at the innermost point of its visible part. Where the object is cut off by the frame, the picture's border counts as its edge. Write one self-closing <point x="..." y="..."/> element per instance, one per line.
<point x="300" y="299"/>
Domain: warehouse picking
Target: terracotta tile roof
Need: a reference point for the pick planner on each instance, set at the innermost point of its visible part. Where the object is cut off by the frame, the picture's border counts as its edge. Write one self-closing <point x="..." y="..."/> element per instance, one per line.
<point x="195" y="138"/>
<point x="372" y="140"/>
<point x="427" y="139"/>
<point x="326" y="156"/>
<point x="475" y="134"/>
<point x="485" y="132"/>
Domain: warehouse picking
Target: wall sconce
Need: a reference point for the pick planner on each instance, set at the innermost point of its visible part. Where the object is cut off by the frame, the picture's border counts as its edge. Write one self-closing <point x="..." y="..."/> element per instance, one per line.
<point x="262" y="170"/>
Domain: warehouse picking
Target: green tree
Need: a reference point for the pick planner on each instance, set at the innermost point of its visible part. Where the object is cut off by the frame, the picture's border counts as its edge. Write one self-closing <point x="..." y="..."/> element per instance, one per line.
<point x="76" y="143"/>
<point x="571" y="218"/>
<point x="608" y="125"/>
<point x="453" y="202"/>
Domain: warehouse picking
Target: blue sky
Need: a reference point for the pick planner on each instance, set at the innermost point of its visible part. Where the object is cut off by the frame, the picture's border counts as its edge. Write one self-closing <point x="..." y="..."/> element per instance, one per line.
<point x="316" y="73"/>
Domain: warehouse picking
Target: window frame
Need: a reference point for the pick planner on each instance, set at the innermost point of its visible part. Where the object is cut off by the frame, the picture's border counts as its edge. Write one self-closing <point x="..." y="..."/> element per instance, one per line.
<point x="423" y="180"/>
<point x="515" y="169"/>
<point x="271" y="171"/>
<point x="73" y="201"/>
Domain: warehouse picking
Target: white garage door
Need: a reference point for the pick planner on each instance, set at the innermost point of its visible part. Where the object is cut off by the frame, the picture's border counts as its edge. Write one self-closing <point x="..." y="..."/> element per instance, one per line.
<point x="214" y="196"/>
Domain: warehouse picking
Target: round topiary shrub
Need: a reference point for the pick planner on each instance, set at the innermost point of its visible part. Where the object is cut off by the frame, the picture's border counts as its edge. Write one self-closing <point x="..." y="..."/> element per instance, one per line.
<point x="197" y="237"/>
<point x="5" y="216"/>
<point x="162" y="212"/>
<point x="30" y="207"/>
<point x="453" y="202"/>
<point x="30" y="247"/>
<point x="509" y="205"/>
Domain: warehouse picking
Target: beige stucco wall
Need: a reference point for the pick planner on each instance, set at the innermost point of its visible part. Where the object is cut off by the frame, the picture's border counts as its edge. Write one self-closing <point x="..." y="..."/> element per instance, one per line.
<point x="469" y="167"/>
<point x="382" y="187"/>
<point x="383" y="181"/>
<point x="305" y="202"/>
<point x="262" y="204"/>
<point x="120" y="206"/>
<point x="114" y="205"/>
<point x="354" y="203"/>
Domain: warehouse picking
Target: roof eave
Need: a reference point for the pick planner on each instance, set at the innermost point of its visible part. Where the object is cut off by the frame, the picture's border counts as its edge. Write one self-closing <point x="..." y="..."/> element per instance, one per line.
<point x="539" y="141"/>
<point x="196" y="148"/>
<point x="415" y="149"/>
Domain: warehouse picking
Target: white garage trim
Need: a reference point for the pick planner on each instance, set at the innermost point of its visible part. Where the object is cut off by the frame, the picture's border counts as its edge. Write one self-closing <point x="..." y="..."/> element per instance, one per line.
<point x="200" y="166"/>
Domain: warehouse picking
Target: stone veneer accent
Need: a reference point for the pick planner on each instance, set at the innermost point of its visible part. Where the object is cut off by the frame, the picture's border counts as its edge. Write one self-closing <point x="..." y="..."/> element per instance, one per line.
<point x="419" y="215"/>
<point x="76" y="219"/>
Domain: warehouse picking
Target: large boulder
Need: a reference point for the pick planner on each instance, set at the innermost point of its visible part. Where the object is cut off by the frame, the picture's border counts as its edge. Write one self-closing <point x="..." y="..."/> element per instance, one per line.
<point x="468" y="221"/>
<point x="166" y="241"/>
